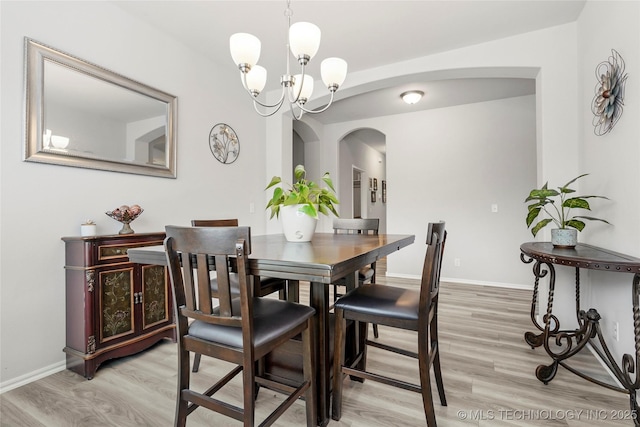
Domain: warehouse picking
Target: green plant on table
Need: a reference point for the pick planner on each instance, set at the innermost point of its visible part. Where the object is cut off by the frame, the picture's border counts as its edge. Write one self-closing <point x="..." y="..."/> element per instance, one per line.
<point x="303" y="192"/>
<point x="558" y="209"/>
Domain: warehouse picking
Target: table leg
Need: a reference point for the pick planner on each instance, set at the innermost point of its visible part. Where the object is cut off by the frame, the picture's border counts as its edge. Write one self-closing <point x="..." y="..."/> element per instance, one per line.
<point x="631" y="366"/>
<point x="572" y="341"/>
<point x="579" y="315"/>
<point x="546" y="373"/>
<point x="532" y="338"/>
<point x="293" y="290"/>
<point x="319" y="299"/>
<point x="360" y="331"/>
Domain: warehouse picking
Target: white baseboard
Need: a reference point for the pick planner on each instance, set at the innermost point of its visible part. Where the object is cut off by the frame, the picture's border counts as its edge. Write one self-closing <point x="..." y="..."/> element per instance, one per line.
<point x="32" y="376"/>
<point x="466" y="281"/>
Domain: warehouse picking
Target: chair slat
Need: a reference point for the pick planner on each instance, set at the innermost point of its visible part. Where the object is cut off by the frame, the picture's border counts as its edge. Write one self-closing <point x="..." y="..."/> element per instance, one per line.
<point x="261" y="286"/>
<point x="224" y="285"/>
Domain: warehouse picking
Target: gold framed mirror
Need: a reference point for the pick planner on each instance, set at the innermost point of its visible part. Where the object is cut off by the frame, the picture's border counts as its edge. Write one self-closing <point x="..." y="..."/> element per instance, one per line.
<point x="82" y="115"/>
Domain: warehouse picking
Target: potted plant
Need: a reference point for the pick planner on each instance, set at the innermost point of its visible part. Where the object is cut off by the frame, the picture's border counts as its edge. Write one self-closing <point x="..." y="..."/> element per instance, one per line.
<point x="300" y="203"/>
<point x="559" y="212"/>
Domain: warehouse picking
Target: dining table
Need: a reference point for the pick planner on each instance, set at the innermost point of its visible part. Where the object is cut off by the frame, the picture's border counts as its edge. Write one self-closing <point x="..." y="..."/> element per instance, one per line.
<point x="324" y="260"/>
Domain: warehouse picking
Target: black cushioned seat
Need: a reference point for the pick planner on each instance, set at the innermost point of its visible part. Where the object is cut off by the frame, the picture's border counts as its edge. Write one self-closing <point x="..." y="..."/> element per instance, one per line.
<point x="392" y="303"/>
<point x="271" y="319"/>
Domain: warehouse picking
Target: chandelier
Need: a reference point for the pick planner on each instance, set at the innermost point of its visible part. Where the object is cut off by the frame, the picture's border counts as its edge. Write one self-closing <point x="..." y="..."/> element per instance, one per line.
<point x="303" y="41"/>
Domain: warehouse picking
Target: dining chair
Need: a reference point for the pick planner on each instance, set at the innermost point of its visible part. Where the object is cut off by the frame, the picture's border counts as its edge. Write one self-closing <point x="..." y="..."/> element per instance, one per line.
<point x="366" y="274"/>
<point x="263" y="287"/>
<point x="396" y="307"/>
<point x="240" y="330"/>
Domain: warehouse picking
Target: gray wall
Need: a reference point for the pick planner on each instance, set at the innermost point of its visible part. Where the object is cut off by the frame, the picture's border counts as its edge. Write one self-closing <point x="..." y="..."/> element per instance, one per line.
<point x="452" y="164"/>
<point x="41" y="203"/>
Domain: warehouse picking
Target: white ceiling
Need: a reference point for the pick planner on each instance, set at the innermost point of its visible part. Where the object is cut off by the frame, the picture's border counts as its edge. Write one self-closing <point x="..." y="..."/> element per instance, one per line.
<point x="367" y="34"/>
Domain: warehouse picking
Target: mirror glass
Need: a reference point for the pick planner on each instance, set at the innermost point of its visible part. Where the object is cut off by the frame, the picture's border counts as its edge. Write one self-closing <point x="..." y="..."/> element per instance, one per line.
<point x="79" y="114"/>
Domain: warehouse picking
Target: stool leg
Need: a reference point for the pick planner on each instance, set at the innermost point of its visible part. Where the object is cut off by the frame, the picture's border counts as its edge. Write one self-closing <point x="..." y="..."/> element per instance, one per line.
<point x="196" y="362"/>
<point x="425" y="382"/>
<point x="338" y="362"/>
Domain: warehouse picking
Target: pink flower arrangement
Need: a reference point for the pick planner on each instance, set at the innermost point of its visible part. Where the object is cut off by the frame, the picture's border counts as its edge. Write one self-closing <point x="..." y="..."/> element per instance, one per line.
<point x="125" y="214"/>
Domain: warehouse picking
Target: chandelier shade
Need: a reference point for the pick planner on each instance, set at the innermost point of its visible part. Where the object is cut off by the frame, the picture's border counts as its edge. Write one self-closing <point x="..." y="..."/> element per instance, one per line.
<point x="303" y="42"/>
<point x="307" y="86"/>
<point x="256" y="79"/>
<point x="333" y="72"/>
<point x="245" y="49"/>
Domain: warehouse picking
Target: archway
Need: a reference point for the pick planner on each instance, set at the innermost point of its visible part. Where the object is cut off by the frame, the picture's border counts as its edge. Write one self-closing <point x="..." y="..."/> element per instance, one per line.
<point x="361" y="173"/>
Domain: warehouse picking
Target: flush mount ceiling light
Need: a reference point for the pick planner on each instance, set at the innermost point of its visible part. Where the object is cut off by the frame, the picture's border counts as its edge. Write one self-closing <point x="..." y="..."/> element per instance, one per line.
<point x="303" y="41"/>
<point x="412" y="96"/>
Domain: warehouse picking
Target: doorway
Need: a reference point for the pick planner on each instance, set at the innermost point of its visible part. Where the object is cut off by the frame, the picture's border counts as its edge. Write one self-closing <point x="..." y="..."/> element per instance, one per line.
<point x="357" y="192"/>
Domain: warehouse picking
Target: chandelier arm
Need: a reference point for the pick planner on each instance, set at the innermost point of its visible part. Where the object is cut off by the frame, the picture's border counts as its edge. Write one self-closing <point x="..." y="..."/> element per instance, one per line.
<point x="317" y="111"/>
<point x="255" y="99"/>
<point x="293" y="111"/>
<point x="290" y="90"/>
<point x="277" y="104"/>
<point x="255" y="107"/>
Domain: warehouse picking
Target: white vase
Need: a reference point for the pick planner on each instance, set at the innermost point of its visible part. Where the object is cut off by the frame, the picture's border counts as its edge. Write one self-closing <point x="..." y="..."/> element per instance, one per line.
<point x="297" y="226"/>
<point x="564" y="237"/>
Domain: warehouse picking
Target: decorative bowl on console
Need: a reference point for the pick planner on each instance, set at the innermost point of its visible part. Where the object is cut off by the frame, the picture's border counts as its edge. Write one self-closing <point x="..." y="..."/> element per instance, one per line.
<point x="125" y="214"/>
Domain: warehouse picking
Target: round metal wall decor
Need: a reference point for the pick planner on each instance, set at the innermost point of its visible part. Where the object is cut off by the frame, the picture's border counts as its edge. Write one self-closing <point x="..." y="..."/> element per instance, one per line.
<point x="224" y="143"/>
<point x="609" y="98"/>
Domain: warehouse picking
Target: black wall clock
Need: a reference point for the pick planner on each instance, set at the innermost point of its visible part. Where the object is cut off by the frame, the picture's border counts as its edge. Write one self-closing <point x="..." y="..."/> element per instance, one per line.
<point x="224" y="143"/>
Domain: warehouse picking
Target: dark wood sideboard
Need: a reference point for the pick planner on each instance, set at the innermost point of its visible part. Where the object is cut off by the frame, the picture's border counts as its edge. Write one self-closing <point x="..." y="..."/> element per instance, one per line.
<point x="114" y="307"/>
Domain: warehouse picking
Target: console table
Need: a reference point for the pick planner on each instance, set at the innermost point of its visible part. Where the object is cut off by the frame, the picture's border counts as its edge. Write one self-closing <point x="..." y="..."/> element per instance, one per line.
<point x="569" y="342"/>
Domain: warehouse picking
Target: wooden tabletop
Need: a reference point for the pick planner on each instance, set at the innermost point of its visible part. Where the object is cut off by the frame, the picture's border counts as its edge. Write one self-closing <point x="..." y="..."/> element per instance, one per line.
<point x="325" y="259"/>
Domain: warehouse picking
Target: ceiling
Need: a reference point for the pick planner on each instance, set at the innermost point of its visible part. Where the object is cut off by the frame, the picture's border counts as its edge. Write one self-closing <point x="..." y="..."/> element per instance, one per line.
<point x="367" y="34"/>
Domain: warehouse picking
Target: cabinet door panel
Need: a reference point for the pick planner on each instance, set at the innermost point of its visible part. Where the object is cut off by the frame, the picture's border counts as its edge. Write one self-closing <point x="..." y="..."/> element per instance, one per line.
<point x="154" y="296"/>
<point x="116" y="317"/>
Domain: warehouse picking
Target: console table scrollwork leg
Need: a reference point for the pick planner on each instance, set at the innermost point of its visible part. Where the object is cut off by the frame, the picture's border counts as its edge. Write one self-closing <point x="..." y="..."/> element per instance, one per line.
<point x="629" y="365"/>
<point x="546" y="373"/>
<point x="579" y="312"/>
<point x="536" y="339"/>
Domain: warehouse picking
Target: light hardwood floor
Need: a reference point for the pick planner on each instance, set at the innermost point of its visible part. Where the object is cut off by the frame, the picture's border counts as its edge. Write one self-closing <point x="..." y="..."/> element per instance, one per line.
<point x="488" y="372"/>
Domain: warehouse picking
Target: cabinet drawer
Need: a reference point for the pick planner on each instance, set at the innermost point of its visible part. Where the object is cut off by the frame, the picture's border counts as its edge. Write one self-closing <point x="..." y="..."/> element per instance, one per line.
<point x="89" y="251"/>
<point x="116" y="250"/>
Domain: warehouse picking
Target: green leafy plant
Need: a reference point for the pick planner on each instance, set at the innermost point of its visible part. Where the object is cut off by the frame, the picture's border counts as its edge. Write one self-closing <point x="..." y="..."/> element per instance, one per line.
<point x="303" y="192"/>
<point x="559" y="210"/>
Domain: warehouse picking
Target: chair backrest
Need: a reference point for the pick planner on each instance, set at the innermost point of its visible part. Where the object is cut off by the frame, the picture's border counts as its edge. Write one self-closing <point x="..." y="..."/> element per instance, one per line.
<point x="430" y="284"/>
<point x="356" y="225"/>
<point x="188" y="251"/>
<point x="214" y="222"/>
<point x="231" y="222"/>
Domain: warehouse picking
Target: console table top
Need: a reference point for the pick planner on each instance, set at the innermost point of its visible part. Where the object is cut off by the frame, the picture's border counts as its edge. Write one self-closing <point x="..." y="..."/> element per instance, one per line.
<point x="582" y="256"/>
